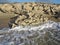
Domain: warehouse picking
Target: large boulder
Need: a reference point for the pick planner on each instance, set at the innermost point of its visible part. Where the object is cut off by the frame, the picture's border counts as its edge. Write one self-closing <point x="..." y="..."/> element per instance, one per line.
<point x="31" y="13"/>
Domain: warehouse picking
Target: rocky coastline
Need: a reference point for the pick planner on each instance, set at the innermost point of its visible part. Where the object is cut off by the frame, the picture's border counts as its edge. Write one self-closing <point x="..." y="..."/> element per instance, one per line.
<point x="31" y="13"/>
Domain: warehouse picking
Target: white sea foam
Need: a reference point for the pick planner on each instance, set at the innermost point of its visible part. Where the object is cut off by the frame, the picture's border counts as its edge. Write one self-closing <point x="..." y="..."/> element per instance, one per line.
<point x="44" y="34"/>
<point x="49" y="24"/>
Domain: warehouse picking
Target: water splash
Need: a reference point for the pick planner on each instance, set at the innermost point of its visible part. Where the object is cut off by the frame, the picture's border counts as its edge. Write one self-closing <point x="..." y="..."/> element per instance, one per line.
<point x="45" y="34"/>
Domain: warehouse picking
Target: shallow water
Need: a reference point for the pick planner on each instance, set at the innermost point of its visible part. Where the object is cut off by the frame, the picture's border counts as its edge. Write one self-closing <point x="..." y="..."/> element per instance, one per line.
<point x="45" y="34"/>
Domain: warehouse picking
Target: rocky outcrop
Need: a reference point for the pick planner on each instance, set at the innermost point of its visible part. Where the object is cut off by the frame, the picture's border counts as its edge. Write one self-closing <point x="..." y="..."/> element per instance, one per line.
<point x="31" y="13"/>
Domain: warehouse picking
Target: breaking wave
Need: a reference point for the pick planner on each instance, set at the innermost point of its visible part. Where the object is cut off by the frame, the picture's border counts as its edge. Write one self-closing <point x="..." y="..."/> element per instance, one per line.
<point x="45" y="34"/>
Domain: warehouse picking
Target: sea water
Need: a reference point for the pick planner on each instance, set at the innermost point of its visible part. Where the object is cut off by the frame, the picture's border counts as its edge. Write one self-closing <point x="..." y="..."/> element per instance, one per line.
<point x="45" y="34"/>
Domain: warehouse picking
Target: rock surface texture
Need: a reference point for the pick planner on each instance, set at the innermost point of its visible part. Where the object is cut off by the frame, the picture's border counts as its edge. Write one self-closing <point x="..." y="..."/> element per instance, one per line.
<point x="31" y="13"/>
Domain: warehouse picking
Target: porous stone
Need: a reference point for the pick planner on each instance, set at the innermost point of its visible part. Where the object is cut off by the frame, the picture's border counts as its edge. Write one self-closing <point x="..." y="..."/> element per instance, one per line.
<point x="31" y="13"/>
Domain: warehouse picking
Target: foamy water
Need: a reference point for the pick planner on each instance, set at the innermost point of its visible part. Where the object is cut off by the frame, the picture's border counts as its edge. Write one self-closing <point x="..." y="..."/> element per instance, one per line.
<point x="45" y="34"/>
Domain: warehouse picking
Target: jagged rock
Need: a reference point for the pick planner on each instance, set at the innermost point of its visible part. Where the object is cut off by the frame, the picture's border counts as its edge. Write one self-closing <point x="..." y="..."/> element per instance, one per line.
<point x="6" y="8"/>
<point x="28" y="6"/>
<point x="35" y="20"/>
<point x="17" y="7"/>
<point x="20" y="18"/>
<point x="31" y="13"/>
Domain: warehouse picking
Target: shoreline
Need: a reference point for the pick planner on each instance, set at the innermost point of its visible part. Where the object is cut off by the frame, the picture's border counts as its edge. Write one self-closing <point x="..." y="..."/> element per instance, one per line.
<point x="4" y="19"/>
